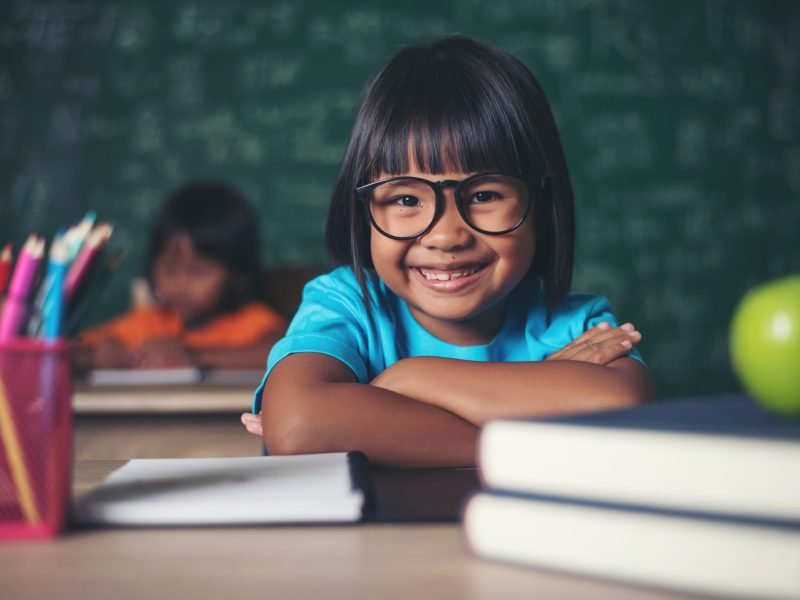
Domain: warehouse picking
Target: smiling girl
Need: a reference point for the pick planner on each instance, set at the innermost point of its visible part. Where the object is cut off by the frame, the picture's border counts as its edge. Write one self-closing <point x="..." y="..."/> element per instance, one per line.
<point x="452" y="216"/>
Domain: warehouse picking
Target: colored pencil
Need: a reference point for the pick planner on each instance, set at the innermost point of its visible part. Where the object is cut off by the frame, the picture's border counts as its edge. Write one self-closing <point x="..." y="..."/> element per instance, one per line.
<point x="5" y="266"/>
<point x="76" y="274"/>
<point x="95" y="285"/>
<point x="77" y="234"/>
<point x="15" y="308"/>
<point x="53" y="306"/>
<point x="34" y="327"/>
<point x="16" y="460"/>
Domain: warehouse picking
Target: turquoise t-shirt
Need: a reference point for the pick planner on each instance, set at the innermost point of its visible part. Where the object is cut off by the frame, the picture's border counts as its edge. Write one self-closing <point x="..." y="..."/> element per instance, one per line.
<point x="333" y="320"/>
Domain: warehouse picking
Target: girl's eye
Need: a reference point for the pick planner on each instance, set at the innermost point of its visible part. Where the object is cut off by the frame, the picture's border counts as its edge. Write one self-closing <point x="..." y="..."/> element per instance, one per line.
<point x="483" y="197"/>
<point x="407" y="201"/>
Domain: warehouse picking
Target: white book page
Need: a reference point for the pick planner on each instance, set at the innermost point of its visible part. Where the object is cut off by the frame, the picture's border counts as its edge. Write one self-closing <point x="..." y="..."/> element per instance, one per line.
<point x="273" y="489"/>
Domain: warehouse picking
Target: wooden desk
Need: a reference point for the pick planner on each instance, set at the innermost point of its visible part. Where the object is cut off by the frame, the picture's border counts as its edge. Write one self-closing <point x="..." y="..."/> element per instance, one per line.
<point x="349" y="562"/>
<point x="165" y="421"/>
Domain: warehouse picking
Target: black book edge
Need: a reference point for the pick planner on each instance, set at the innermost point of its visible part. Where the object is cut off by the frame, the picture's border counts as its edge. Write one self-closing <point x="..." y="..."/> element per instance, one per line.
<point x="624" y="507"/>
<point x="361" y="479"/>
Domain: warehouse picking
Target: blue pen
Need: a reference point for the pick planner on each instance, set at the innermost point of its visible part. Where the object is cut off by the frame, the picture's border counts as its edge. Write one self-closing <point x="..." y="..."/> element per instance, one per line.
<point x="53" y="307"/>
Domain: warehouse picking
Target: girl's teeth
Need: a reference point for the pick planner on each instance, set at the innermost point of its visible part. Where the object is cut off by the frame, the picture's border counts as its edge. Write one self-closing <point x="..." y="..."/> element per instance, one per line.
<point x="447" y="276"/>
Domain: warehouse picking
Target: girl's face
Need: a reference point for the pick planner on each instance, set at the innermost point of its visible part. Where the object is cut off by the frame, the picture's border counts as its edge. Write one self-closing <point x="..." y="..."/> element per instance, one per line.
<point x="454" y="279"/>
<point x="188" y="283"/>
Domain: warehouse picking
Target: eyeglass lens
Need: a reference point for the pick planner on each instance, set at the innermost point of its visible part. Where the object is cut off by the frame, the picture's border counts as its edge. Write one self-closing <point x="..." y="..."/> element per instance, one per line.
<point x="406" y="207"/>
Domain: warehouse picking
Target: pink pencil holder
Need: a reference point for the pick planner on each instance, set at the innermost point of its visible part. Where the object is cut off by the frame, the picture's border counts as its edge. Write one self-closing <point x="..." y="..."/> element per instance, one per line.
<point x="35" y="437"/>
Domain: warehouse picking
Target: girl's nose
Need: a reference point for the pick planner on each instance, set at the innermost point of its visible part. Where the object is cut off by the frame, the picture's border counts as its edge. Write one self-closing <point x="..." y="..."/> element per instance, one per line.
<point x="449" y="232"/>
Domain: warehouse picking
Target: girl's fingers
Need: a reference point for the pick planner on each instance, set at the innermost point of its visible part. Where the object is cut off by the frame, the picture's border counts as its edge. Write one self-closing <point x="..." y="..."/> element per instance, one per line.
<point x="604" y="350"/>
<point x="568" y="351"/>
<point x="599" y="329"/>
<point x="252" y="423"/>
<point x="622" y="333"/>
<point x="601" y="344"/>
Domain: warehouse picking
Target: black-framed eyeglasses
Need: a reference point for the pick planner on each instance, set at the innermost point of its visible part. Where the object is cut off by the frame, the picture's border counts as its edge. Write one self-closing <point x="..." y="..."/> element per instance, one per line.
<point x="492" y="203"/>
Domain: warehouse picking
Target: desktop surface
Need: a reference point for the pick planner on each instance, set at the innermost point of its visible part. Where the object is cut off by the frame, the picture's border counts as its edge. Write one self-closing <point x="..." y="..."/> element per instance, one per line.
<point x="411" y="544"/>
<point x="122" y="422"/>
<point x="371" y="560"/>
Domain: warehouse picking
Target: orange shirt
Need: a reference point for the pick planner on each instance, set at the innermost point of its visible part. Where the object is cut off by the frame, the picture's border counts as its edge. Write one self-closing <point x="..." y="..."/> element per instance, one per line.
<point x="244" y="327"/>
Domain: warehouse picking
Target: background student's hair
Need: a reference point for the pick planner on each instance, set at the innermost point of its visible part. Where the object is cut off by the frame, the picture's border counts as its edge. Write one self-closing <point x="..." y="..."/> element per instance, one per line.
<point x="457" y="104"/>
<point x="221" y="225"/>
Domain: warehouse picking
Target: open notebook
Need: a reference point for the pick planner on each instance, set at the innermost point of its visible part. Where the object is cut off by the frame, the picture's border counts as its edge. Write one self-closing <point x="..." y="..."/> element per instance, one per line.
<point x="311" y="488"/>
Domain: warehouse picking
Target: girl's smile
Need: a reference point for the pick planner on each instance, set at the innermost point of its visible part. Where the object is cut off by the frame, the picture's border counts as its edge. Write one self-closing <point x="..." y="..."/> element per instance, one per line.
<point x="449" y="278"/>
<point x="454" y="279"/>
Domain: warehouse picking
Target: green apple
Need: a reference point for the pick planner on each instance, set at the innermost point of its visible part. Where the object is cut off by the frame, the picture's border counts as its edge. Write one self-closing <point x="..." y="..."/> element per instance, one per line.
<point x="765" y="344"/>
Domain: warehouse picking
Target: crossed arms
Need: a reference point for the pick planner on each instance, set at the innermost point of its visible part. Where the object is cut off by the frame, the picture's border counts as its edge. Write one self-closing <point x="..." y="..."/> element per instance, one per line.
<point x="426" y="411"/>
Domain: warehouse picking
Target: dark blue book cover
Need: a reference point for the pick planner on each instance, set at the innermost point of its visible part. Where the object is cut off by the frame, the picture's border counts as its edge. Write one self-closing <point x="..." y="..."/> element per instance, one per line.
<point x="726" y="415"/>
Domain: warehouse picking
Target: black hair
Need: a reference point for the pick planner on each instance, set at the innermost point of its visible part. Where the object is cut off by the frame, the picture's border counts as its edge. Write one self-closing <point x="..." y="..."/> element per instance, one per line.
<point x="222" y="226"/>
<point x="456" y="104"/>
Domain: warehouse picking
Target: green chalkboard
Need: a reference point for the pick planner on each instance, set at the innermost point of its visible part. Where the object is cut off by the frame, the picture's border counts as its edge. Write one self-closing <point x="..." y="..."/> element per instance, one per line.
<point x="680" y="120"/>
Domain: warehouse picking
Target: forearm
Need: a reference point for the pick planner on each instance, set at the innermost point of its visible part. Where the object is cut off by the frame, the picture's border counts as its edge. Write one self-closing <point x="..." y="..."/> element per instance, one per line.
<point x="481" y="391"/>
<point x="108" y="354"/>
<point x="301" y="418"/>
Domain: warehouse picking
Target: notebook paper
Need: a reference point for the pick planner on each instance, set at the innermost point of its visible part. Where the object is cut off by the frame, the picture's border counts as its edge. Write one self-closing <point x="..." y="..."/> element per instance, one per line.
<point x="313" y="488"/>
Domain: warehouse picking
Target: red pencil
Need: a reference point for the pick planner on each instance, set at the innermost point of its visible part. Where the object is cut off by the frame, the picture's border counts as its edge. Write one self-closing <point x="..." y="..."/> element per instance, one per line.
<point x="5" y="267"/>
<point x="95" y="241"/>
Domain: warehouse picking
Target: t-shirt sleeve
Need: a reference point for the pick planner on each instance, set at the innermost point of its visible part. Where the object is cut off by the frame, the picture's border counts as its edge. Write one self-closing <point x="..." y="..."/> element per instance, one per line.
<point x="331" y="321"/>
<point x="579" y="313"/>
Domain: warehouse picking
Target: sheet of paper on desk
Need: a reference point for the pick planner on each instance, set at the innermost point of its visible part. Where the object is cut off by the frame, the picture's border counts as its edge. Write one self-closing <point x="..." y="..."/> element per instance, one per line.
<point x="311" y="488"/>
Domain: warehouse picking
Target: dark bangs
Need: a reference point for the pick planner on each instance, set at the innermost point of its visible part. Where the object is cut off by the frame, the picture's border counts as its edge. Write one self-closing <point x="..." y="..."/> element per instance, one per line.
<point x="442" y="109"/>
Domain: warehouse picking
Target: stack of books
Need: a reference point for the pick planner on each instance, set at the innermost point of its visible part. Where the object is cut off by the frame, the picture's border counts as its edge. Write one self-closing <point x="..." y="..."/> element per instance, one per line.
<point x="699" y="495"/>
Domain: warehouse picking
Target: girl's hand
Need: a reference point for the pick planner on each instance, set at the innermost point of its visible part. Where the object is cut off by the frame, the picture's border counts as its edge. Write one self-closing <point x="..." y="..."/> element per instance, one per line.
<point x="252" y="423"/>
<point x="111" y="354"/>
<point x="164" y="354"/>
<point x="600" y="345"/>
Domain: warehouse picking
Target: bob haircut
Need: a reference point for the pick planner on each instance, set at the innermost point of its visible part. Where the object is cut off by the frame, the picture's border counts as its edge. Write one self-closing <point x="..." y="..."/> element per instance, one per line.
<point x="456" y="104"/>
<point x="222" y="226"/>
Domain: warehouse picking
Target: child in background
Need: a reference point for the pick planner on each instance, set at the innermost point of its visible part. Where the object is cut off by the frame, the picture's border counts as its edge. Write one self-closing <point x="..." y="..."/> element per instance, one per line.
<point x="203" y="270"/>
<point x="453" y="217"/>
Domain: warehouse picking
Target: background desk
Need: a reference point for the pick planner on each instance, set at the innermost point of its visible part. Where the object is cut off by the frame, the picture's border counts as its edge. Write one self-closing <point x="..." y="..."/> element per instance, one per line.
<point x="350" y="562"/>
<point x="167" y="421"/>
